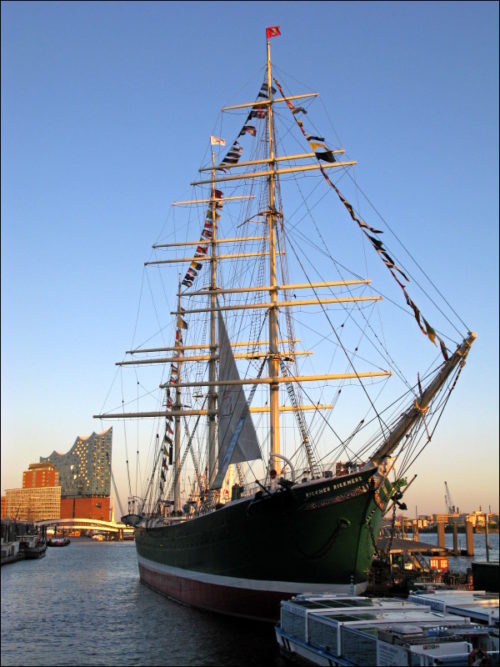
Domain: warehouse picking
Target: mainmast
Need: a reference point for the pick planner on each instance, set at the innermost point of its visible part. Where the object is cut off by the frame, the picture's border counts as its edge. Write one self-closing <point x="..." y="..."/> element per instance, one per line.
<point x="274" y="360"/>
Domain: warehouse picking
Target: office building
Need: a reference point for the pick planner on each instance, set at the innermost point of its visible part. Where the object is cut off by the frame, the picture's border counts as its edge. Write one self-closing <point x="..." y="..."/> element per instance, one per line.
<point x="40" y="475"/>
<point x="33" y="504"/>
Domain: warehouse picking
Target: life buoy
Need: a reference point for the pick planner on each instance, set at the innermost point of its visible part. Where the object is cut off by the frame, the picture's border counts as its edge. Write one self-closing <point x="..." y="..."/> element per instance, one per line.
<point x="478" y="657"/>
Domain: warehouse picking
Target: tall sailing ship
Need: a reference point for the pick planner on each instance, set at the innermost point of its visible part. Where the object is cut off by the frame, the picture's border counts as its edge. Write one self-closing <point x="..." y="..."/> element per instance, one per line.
<point x="258" y="488"/>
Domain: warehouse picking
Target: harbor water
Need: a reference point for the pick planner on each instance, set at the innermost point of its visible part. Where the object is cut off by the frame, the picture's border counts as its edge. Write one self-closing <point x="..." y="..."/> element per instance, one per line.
<point x="84" y="605"/>
<point x="462" y="563"/>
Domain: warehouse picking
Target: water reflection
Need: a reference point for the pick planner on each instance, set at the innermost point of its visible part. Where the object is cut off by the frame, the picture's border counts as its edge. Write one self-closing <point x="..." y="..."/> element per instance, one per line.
<point x="84" y="605"/>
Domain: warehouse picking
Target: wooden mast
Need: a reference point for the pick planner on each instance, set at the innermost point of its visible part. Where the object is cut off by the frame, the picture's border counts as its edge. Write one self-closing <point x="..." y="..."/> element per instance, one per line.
<point x="273" y="294"/>
<point x="212" y="394"/>
<point x="177" y="418"/>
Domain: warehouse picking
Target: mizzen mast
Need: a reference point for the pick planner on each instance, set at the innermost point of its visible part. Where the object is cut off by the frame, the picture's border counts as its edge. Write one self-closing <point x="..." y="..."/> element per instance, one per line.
<point x="177" y="418"/>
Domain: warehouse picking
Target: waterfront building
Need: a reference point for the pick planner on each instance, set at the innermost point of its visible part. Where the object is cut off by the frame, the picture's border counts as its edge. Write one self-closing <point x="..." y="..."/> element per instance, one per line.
<point x="40" y="475"/>
<point x="449" y="517"/>
<point x="85" y="476"/>
<point x="93" y="507"/>
<point x="478" y="518"/>
<point x="4" y="501"/>
<point x="33" y="504"/>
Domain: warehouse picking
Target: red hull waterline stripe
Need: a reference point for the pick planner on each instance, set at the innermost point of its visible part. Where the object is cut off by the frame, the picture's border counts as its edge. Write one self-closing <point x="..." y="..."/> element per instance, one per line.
<point x="230" y="595"/>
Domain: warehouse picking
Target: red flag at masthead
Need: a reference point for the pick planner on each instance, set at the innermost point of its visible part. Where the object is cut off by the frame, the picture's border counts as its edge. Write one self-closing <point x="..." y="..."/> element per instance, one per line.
<point x="273" y="31"/>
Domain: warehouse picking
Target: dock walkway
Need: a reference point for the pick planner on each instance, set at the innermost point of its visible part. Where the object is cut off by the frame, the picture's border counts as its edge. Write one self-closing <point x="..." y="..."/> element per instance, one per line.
<point x="400" y="546"/>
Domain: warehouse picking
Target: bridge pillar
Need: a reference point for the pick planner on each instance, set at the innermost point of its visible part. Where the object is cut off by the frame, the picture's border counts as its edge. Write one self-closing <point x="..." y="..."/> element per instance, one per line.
<point x="455" y="540"/>
<point x="469" y="536"/>
<point x="441" y="538"/>
<point x="415" y="530"/>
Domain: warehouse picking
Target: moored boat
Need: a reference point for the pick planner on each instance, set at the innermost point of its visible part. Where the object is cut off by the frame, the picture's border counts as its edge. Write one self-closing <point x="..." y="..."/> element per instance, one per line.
<point x="240" y="511"/>
<point x="10" y="551"/>
<point x="22" y="539"/>
<point x="33" y="546"/>
<point x="33" y="540"/>
<point x="346" y="630"/>
<point x="58" y="541"/>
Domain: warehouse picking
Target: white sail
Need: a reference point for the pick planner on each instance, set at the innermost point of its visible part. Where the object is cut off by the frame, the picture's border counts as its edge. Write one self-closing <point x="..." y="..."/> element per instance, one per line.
<point x="237" y="437"/>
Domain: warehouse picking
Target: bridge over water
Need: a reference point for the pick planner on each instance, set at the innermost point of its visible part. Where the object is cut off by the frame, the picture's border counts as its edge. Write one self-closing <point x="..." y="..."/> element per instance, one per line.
<point x="75" y="523"/>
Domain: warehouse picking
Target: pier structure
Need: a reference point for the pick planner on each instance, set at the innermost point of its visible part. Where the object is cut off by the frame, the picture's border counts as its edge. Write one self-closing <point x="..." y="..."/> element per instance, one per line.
<point x="469" y="536"/>
<point x="442" y="521"/>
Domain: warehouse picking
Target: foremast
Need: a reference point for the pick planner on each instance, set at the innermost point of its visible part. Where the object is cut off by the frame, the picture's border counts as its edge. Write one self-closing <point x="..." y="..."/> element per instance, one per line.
<point x="212" y="371"/>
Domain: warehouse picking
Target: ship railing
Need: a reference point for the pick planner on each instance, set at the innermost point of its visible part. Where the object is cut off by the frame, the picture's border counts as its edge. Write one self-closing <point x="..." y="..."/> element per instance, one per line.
<point x="304" y="475"/>
<point x="172" y="520"/>
<point x="250" y="489"/>
<point x="253" y="487"/>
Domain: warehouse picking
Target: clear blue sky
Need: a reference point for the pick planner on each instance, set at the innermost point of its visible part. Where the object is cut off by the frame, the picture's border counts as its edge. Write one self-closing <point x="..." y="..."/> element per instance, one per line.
<point x="106" y="111"/>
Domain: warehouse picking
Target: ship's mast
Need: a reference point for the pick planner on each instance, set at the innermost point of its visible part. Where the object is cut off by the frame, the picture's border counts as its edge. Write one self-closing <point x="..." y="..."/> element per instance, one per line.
<point x="212" y="394"/>
<point x="273" y="293"/>
<point x="177" y="422"/>
<point x="272" y="168"/>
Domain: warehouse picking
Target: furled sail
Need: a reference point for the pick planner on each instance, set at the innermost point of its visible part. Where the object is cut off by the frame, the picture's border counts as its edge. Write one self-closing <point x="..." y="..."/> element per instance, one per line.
<point x="237" y="437"/>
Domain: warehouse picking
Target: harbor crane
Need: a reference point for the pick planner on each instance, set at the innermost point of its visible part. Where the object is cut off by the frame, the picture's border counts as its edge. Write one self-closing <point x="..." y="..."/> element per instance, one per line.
<point x="450" y="507"/>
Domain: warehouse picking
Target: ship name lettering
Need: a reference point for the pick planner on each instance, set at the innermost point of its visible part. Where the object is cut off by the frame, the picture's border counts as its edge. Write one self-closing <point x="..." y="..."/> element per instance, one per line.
<point x="325" y="489"/>
<point x="339" y="485"/>
<point x="346" y="483"/>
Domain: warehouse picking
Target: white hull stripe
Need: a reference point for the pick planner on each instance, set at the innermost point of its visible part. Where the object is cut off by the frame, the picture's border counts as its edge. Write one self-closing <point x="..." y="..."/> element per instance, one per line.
<point x="250" y="584"/>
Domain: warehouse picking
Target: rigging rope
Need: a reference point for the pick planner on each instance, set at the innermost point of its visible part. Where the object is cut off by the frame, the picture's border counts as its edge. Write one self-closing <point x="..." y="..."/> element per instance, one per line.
<point x="125" y="439"/>
<point x="184" y="456"/>
<point x="326" y="154"/>
<point x="416" y="263"/>
<point x="382" y="424"/>
<point x="313" y="463"/>
<point x="401" y="243"/>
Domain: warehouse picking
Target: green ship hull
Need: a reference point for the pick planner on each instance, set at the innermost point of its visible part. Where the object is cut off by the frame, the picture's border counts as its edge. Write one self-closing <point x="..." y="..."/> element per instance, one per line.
<point x="249" y="554"/>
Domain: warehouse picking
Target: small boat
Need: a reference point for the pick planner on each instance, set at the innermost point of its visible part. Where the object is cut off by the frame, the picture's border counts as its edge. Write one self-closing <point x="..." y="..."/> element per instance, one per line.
<point x="33" y="546"/>
<point x="58" y="542"/>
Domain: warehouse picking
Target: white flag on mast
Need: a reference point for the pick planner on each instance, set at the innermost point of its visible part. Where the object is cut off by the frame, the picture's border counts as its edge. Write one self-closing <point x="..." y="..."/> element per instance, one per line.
<point x="217" y="141"/>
